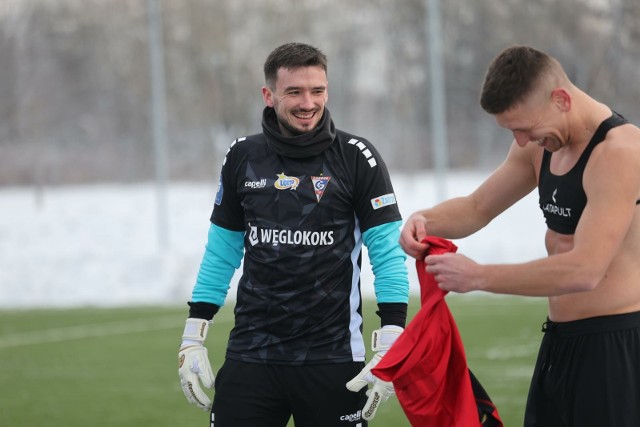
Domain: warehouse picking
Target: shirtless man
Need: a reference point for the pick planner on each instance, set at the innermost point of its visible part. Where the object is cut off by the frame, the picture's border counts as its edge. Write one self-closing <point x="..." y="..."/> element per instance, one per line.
<point x="585" y="161"/>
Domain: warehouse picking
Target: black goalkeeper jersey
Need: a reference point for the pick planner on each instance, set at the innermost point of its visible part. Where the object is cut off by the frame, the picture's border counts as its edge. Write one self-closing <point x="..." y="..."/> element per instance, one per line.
<point x="298" y="299"/>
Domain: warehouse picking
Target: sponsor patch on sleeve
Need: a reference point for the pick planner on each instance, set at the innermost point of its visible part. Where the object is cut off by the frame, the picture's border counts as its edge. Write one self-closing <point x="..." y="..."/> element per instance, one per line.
<point x="384" y="200"/>
<point x="220" y="192"/>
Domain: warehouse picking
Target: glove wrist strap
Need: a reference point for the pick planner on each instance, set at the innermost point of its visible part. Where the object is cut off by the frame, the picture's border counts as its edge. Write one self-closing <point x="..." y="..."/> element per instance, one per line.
<point x="382" y="339"/>
<point x="196" y="330"/>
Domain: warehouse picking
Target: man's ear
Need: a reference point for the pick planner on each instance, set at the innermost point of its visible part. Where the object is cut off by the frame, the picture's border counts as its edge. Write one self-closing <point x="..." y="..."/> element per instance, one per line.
<point x="326" y="94"/>
<point x="267" y="96"/>
<point x="562" y="99"/>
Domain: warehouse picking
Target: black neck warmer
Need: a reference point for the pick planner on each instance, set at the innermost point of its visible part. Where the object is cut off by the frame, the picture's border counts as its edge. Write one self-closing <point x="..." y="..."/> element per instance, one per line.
<point x="305" y="145"/>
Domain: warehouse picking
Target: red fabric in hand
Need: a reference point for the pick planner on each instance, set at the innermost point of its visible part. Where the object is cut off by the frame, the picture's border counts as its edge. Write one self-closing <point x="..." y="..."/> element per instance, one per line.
<point x="427" y="363"/>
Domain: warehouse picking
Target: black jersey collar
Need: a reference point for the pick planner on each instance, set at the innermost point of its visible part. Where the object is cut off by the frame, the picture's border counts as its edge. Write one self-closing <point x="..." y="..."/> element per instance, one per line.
<point x="305" y="145"/>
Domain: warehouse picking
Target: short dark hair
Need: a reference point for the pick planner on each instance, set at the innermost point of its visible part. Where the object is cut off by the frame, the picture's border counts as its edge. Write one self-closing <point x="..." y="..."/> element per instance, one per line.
<point x="512" y="76"/>
<point x="291" y="56"/>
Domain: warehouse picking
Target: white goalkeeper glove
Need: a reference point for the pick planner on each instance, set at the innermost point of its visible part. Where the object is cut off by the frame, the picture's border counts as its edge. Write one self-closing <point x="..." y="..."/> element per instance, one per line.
<point x="193" y="363"/>
<point x="381" y="341"/>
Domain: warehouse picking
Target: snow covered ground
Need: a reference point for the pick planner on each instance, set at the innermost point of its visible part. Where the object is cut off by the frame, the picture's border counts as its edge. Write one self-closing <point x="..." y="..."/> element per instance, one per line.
<point x="98" y="245"/>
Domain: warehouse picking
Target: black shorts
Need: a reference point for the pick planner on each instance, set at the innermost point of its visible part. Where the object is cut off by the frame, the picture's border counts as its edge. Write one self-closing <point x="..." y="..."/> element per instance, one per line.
<point x="587" y="374"/>
<point x="260" y="395"/>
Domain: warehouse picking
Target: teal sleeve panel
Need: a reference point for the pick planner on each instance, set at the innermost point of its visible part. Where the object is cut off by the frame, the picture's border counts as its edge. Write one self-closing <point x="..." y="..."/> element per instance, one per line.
<point x="387" y="259"/>
<point x="222" y="256"/>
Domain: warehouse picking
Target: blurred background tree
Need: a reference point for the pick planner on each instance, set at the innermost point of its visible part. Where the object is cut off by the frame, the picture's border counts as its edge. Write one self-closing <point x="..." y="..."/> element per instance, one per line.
<point x="75" y="89"/>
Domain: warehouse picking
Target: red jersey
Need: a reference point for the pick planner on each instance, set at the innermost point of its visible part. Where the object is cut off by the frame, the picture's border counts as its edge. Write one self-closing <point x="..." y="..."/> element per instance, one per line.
<point x="427" y="363"/>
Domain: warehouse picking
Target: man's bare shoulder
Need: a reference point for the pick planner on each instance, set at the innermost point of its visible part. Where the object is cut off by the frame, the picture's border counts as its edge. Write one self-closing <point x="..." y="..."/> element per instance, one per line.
<point x="621" y="143"/>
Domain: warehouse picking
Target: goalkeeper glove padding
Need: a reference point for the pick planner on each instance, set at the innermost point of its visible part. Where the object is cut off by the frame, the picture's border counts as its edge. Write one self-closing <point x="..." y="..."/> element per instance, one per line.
<point x="381" y="341"/>
<point x="193" y="363"/>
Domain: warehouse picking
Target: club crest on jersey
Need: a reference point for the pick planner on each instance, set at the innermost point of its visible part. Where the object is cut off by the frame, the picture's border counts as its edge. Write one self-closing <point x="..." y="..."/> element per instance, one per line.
<point x="319" y="185"/>
<point x="285" y="182"/>
<point x="384" y="200"/>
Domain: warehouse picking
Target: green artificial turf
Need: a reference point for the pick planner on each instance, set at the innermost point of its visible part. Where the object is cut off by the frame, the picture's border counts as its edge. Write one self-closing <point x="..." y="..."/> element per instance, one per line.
<point x="118" y="367"/>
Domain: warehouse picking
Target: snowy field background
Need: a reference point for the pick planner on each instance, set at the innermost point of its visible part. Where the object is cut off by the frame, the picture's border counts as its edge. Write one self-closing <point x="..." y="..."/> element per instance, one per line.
<point x="98" y="245"/>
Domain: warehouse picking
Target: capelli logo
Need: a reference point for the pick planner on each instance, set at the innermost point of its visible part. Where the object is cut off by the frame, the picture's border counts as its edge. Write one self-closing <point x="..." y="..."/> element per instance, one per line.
<point x="352" y="417"/>
<point x="256" y="184"/>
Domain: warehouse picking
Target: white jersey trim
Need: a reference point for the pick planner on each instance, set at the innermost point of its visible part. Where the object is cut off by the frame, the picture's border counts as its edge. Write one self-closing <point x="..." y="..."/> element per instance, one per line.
<point x="355" y="321"/>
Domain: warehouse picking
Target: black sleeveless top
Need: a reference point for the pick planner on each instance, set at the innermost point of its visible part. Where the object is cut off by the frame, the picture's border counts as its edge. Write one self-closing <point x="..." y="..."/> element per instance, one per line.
<point x="562" y="197"/>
